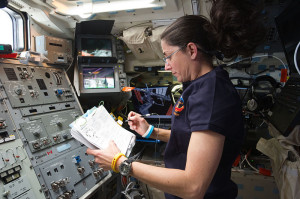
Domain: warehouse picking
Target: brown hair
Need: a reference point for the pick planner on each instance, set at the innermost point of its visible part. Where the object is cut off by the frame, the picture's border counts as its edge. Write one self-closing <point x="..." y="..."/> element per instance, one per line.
<point x="234" y="29"/>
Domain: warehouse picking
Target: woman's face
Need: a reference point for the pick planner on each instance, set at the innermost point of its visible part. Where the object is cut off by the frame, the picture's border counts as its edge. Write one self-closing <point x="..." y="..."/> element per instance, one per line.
<point x="176" y="61"/>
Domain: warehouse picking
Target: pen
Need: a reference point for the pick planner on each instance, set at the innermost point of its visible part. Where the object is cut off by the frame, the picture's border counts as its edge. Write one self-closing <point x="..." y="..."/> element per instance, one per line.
<point x="143" y="116"/>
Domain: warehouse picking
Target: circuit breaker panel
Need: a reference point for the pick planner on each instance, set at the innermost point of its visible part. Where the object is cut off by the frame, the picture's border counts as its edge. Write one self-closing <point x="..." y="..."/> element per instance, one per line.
<point x="38" y="156"/>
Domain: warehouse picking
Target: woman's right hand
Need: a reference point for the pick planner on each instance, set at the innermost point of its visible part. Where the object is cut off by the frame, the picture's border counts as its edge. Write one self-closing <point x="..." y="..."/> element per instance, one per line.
<point x="137" y="123"/>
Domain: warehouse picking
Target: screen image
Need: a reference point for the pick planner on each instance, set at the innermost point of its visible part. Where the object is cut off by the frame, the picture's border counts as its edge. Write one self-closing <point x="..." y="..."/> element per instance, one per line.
<point x="152" y="100"/>
<point x="98" y="77"/>
<point x="96" y="47"/>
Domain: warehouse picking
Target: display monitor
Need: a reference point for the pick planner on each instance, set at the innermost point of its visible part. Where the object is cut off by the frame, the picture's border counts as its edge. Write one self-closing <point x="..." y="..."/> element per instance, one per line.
<point x="102" y="78"/>
<point x="287" y="23"/>
<point x="155" y="100"/>
<point x="96" y="46"/>
<point x="98" y="77"/>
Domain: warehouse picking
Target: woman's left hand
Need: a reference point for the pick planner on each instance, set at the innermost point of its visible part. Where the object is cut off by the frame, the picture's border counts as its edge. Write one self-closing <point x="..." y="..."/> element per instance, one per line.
<point x="104" y="157"/>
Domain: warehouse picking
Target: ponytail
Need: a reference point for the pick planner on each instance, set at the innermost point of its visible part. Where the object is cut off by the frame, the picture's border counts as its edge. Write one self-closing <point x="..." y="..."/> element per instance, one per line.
<point x="234" y="29"/>
<point x="236" y="26"/>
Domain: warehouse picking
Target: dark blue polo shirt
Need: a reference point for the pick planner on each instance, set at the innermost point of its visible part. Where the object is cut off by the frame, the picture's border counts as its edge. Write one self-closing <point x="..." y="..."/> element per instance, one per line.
<point x="209" y="102"/>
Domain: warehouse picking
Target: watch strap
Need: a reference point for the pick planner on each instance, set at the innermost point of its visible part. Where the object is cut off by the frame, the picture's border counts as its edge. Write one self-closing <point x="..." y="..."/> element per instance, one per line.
<point x="130" y="160"/>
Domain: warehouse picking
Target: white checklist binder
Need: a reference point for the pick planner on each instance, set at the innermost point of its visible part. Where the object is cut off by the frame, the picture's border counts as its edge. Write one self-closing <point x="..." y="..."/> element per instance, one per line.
<point x="96" y="128"/>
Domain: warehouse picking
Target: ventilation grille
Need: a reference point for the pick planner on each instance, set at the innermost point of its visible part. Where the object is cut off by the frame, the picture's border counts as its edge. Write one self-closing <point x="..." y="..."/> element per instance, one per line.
<point x="11" y="75"/>
<point x="41" y="84"/>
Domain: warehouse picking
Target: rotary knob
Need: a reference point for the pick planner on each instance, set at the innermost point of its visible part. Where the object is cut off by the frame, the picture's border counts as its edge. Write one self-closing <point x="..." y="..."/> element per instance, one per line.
<point x="18" y="91"/>
<point x="36" y="134"/>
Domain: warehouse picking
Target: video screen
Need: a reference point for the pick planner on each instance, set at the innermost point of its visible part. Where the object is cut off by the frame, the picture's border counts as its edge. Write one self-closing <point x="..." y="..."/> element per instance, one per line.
<point x="152" y="100"/>
<point x="96" y="47"/>
<point x="98" y="77"/>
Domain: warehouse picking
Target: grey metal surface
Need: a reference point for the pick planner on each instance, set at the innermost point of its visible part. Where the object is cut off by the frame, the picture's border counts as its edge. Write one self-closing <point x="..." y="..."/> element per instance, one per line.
<point x="37" y="104"/>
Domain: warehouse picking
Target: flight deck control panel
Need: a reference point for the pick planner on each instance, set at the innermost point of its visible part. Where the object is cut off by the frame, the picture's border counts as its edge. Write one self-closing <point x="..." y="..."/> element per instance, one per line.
<point x="38" y="156"/>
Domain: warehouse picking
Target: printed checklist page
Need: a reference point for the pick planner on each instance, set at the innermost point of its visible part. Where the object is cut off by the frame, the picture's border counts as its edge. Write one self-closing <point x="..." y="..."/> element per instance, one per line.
<point x="98" y="128"/>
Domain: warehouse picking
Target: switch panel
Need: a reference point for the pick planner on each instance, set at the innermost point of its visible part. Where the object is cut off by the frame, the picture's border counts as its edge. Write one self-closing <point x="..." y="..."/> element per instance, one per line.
<point x="38" y="156"/>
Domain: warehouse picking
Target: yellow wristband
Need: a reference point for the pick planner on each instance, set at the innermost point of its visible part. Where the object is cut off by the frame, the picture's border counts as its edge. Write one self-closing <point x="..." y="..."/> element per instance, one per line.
<point x="115" y="160"/>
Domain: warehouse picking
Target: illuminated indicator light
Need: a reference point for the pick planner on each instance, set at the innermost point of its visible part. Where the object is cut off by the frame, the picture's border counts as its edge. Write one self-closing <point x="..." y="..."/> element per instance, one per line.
<point x="12" y="137"/>
<point x="8" y="179"/>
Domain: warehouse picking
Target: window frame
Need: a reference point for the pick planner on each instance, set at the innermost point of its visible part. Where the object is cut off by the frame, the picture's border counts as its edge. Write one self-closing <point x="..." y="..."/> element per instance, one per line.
<point x="18" y="18"/>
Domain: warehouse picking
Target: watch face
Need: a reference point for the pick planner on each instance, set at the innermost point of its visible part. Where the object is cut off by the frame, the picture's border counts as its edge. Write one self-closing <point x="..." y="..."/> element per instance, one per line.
<point x="125" y="168"/>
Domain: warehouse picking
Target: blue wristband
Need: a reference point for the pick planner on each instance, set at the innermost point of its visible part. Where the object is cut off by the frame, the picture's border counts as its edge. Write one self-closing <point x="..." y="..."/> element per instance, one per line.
<point x="150" y="132"/>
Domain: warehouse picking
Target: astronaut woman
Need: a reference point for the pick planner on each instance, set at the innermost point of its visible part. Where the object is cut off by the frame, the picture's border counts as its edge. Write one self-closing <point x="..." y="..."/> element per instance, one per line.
<point x="207" y="129"/>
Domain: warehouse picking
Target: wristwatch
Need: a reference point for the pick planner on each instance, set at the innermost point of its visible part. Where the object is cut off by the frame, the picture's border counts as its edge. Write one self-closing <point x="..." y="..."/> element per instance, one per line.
<point x="125" y="167"/>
